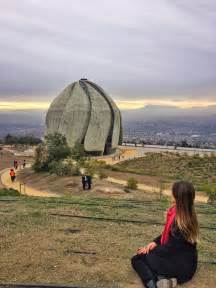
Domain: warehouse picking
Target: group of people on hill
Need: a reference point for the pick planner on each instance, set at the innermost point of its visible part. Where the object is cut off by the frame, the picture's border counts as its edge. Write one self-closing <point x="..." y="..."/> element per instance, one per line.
<point x="86" y="182"/>
<point x="16" y="166"/>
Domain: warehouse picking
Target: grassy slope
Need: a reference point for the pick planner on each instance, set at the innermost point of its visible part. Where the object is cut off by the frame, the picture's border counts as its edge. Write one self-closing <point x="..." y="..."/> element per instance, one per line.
<point x="38" y="247"/>
<point x="171" y="167"/>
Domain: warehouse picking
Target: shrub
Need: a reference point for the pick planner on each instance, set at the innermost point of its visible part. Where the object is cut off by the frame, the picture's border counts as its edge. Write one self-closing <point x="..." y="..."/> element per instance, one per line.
<point x="9" y="192"/>
<point x="93" y="166"/>
<point x="210" y="190"/>
<point x="54" y="149"/>
<point x="132" y="183"/>
<point x="57" y="147"/>
<point x="41" y="159"/>
<point x="62" y="168"/>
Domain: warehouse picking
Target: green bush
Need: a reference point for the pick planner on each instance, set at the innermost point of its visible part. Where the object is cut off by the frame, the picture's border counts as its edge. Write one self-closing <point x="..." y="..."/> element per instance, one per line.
<point x="210" y="190"/>
<point x="62" y="168"/>
<point x="9" y="192"/>
<point x="132" y="183"/>
<point x="53" y="149"/>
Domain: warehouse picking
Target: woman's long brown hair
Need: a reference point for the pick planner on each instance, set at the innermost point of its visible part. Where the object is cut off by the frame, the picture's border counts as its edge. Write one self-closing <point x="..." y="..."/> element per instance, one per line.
<point x="186" y="219"/>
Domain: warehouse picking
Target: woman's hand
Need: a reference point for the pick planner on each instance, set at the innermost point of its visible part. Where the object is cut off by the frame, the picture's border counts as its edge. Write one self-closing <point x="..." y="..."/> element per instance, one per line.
<point x="147" y="249"/>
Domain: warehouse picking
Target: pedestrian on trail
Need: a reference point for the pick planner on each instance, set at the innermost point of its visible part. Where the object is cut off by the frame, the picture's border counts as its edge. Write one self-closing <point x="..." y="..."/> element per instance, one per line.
<point x="24" y="163"/>
<point x="172" y="257"/>
<point x="84" y="181"/>
<point x="89" y="181"/>
<point x="15" y="164"/>
<point x="12" y="175"/>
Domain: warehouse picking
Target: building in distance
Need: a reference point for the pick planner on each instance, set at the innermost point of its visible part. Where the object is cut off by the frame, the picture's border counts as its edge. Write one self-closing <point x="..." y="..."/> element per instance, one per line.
<point x="85" y="114"/>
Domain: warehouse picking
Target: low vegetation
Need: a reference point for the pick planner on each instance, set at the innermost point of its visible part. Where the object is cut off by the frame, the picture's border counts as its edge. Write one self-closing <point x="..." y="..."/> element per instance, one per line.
<point x="55" y="156"/>
<point x="21" y="140"/>
<point x="132" y="183"/>
<point x="210" y="190"/>
<point x="9" y="192"/>
<point x="170" y="167"/>
<point x="82" y="240"/>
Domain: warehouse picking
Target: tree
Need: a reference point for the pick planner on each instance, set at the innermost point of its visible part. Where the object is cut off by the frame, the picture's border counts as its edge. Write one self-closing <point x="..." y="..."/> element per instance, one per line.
<point x="54" y="149"/>
<point x="10" y="140"/>
<point x="184" y="143"/>
<point x="41" y="158"/>
<point x="57" y="147"/>
<point x="78" y="153"/>
<point x="23" y="140"/>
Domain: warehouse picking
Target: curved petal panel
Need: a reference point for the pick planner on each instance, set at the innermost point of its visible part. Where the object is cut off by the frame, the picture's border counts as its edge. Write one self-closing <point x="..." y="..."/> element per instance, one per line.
<point x="99" y="124"/>
<point x="75" y="118"/>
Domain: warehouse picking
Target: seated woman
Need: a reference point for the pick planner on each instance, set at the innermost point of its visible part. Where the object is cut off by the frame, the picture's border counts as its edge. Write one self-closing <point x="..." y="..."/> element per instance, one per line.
<point x="172" y="257"/>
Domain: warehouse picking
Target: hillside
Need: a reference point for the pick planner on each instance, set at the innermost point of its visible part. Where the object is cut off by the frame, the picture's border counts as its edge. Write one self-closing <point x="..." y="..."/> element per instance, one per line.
<point x="85" y="240"/>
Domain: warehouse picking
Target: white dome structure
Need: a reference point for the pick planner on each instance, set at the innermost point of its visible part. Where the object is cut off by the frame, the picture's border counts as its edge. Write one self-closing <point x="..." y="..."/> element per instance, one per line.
<point x="85" y="114"/>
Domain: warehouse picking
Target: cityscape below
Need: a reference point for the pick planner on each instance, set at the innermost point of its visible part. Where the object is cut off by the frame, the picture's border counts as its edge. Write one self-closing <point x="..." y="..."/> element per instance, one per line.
<point x="194" y="131"/>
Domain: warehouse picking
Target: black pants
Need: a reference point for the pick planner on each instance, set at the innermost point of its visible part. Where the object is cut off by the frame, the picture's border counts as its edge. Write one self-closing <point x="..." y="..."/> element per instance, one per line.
<point x="142" y="268"/>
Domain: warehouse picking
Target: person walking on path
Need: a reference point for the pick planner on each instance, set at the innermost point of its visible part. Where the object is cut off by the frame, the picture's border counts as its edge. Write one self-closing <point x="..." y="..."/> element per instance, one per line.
<point x="15" y="164"/>
<point x="172" y="257"/>
<point x="12" y="175"/>
<point x="84" y="181"/>
<point x="24" y="163"/>
<point x="89" y="181"/>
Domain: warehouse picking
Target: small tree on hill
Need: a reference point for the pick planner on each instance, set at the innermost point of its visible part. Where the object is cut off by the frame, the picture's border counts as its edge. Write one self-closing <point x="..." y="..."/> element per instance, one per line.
<point x="41" y="158"/>
<point x="54" y="149"/>
<point x="78" y="153"/>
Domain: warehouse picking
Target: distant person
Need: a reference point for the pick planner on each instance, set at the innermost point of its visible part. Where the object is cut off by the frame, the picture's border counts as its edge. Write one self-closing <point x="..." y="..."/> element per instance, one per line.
<point x="89" y="181"/>
<point x="12" y="175"/>
<point x="172" y="257"/>
<point x="15" y="164"/>
<point x="84" y="181"/>
<point x="24" y="163"/>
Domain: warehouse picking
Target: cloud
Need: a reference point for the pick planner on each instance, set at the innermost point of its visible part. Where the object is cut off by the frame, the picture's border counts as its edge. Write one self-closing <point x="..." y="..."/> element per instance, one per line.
<point x="146" y="49"/>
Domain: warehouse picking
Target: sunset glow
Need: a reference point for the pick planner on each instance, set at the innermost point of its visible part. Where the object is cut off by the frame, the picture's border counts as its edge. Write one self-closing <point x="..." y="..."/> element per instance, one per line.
<point x="122" y="104"/>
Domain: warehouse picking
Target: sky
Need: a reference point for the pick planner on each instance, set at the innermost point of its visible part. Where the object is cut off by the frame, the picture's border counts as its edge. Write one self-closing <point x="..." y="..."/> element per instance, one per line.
<point x="141" y="52"/>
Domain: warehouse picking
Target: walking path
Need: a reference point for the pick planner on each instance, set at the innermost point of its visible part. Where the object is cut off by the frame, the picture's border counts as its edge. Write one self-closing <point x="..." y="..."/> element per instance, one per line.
<point x="152" y="189"/>
<point x="30" y="191"/>
<point x="22" y="187"/>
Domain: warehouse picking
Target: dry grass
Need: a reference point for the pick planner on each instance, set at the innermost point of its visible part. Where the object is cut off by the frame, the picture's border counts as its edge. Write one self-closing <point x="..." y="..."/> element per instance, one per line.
<point x="171" y="167"/>
<point x="39" y="248"/>
<point x="36" y="247"/>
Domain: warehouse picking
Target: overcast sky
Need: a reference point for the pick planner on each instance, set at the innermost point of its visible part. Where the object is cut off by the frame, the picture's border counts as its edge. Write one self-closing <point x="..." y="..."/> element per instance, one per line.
<point x="136" y="50"/>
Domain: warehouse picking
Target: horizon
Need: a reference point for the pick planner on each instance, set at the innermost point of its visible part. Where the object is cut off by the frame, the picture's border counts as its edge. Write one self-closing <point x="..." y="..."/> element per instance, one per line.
<point x="8" y="106"/>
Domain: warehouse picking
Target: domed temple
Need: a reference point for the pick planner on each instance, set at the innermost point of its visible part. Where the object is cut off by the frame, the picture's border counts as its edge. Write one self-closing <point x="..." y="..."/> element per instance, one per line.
<point x="85" y="114"/>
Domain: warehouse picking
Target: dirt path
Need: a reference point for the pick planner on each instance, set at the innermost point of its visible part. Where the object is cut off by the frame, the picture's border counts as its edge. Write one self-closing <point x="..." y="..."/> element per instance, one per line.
<point x="152" y="189"/>
<point x="30" y="191"/>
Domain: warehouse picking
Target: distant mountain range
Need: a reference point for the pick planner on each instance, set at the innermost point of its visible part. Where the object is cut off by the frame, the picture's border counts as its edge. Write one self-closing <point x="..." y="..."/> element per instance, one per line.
<point x="33" y="121"/>
<point x="156" y="112"/>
